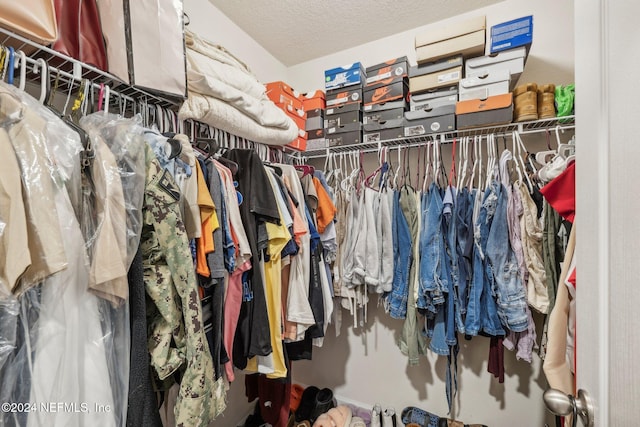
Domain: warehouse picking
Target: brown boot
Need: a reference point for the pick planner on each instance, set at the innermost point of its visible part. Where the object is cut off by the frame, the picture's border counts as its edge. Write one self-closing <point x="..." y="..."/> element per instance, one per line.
<point x="546" y="102"/>
<point x="526" y="106"/>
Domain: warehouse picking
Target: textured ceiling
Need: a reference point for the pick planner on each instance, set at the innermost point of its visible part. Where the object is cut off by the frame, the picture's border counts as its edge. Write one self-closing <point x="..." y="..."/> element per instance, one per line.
<point x="296" y="31"/>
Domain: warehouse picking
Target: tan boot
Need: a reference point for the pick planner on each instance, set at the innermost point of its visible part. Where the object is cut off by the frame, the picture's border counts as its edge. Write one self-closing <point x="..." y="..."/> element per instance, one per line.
<point x="546" y="102"/>
<point x="526" y="106"/>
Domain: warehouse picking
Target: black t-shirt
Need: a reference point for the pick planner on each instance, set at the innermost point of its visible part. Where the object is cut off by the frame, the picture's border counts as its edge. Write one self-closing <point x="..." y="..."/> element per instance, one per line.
<point x="258" y="205"/>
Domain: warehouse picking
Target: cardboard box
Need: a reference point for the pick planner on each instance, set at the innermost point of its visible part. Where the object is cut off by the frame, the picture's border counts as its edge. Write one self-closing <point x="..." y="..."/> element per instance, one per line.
<point x="348" y="138"/>
<point x="314" y="100"/>
<point x="436" y="93"/>
<point x="349" y="75"/>
<point x="349" y="127"/>
<point x="298" y="116"/>
<point x="435" y="66"/>
<point x="443" y="110"/>
<point x="315" y="134"/>
<point x="400" y="103"/>
<point x="512" y="60"/>
<point x="419" y="102"/>
<point x="468" y="45"/>
<point x="347" y="95"/>
<point x="389" y="124"/>
<point x="383" y="116"/>
<point x="342" y="109"/>
<point x="419" y="125"/>
<point x="386" y="73"/>
<point x="447" y="30"/>
<point x="316" y="112"/>
<point x="435" y="80"/>
<point x="495" y="110"/>
<point x="518" y="32"/>
<point x="282" y="93"/>
<point x="299" y="144"/>
<point x="354" y="116"/>
<point x="317" y="144"/>
<point x="484" y="86"/>
<point x="383" y="135"/>
<point x="397" y="90"/>
<point x="314" y="123"/>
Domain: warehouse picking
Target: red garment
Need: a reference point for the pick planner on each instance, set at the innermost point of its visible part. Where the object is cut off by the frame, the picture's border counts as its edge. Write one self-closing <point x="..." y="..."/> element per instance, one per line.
<point x="561" y="193"/>
<point x="496" y="358"/>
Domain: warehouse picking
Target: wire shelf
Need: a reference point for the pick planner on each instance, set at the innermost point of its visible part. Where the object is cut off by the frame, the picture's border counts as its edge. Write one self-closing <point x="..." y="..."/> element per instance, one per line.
<point x="523" y="128"/>
<point x="73" y="71"/>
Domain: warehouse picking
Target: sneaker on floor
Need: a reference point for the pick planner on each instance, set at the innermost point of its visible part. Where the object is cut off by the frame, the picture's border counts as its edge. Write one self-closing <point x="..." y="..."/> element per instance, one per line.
<point x="357" y="422"/>
<point x="341" y="416"/>
<point x="376" y="416"/>
<point x="412" y="414"/>
<point x="389" y="418"/>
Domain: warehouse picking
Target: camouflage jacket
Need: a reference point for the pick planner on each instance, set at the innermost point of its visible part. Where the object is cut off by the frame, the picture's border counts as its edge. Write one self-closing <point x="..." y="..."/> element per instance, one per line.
<point x="174" y="314"/>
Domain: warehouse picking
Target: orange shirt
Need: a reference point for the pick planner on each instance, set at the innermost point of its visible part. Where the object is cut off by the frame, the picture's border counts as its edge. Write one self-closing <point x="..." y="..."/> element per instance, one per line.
<point x="326" y="211"/>
<point x="204" y="245"/>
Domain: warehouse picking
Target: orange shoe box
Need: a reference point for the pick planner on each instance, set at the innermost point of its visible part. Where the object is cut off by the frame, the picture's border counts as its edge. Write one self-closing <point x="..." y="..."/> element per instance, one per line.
<point x="282" y="93"/>
<point x="495" y="110"/>
<point x="298" y="115"/>
<point x="386" y="73"/>
<point x="314" y="100"/>
<point x="299" y="144"/>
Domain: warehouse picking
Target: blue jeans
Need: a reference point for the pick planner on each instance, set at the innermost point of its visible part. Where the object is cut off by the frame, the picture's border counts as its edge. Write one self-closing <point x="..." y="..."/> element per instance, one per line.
<point x="482" y="312"/>
<point x="464" y="251"/>
<point x="509" y="290"/>
<point x="433" y="284"/>
<point x="402" y="259"/>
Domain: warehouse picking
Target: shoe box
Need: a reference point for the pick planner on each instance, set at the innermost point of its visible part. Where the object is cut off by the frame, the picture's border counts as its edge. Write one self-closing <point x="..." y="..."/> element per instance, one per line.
<point x="424" y="122"/>
<point x="484" y="85"/>
<point x="349" y="75"/>
<point x="346" y="95"/>
<point x="512" y="60"/>
<point x="297" y="115"/>
<point x="391" y="105"/>
<point x="314" y="100"/>
<point x="384" y="134"/>
<point x="495" y="110"/>
<point x="344" y="134"/>
<point x="442" y="73"/>
<point x="317" y="144"/>
<point x="282" y="93"/>
<point x="346" y="117"/>
<point x="466" y="37"/>
<point x="299" y="144"/>
<point x="515" y="33"/>
<point x="434" y="98"/>
<point x="391" y="92"/>
<point x="315" y="119"/>
<point x="386" y="73"/>
<point x="383" y="116"/>
<point x="315" y="134"/>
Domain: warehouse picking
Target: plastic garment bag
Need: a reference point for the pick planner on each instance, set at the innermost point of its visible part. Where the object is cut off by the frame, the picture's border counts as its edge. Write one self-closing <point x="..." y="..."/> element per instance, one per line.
<point x="69" y="365"/>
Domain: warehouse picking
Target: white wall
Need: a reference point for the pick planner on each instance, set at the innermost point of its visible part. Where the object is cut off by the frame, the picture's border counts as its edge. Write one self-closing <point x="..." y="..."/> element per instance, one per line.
<point x="210" y="23"/>
<point x="550" y="59"/>
<point x="365" y="365"/>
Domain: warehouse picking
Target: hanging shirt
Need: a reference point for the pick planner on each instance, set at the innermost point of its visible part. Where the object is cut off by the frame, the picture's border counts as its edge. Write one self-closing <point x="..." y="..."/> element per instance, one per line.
<point x="210" y="223"/>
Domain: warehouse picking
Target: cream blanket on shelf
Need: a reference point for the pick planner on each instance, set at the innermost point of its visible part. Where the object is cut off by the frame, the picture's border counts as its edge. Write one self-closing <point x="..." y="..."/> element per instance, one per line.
<point x="223" y="93"/>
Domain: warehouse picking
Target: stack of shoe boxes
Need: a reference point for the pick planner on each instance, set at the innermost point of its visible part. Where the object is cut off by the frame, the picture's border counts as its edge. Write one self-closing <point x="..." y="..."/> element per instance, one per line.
<point x="485" y="92"/>
<point x="343" y="114"/>
<point x="314" y="105"/>
<point x="290" y="101"/>
<point x="440" y="53"/>
<point x="385" y="100"/>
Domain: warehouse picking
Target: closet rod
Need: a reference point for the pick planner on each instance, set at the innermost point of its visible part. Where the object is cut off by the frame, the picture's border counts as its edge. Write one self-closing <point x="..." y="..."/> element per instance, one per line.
<point x="524" y="128"/>
<point x="79" y="70"/>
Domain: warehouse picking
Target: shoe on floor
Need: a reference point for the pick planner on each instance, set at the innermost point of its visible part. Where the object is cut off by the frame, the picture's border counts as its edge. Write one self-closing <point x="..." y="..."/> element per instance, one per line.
<point x="341" y="416"/>
<point x="307" y="403"/>
<point x="376" y="416"/>
<point x="389" y="418"/>
<point x="357" y="422"/>
<point x="411" y="414"/>
<point x="323" y="402"/>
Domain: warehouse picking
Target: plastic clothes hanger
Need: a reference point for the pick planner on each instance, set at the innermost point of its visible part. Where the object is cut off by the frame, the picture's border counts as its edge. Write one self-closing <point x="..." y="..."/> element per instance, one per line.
<point x="22" y="63"/>
<point x="11" y="65"/>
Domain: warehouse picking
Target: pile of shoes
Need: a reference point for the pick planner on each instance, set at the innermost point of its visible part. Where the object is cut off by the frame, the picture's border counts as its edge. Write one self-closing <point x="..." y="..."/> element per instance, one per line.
<point x="416" y="417"/>
<point x="533" y="102"/>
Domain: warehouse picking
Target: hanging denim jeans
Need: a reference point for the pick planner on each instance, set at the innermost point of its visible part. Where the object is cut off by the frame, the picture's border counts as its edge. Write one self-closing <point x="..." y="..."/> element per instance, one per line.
<point x="482" y="311"/>
<point x="433" y="284"/>
<point x="454" y="317"/>
<point x="464" y="250"/>
<point x="510" y="293"/>
<point x="402" y="259"/>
